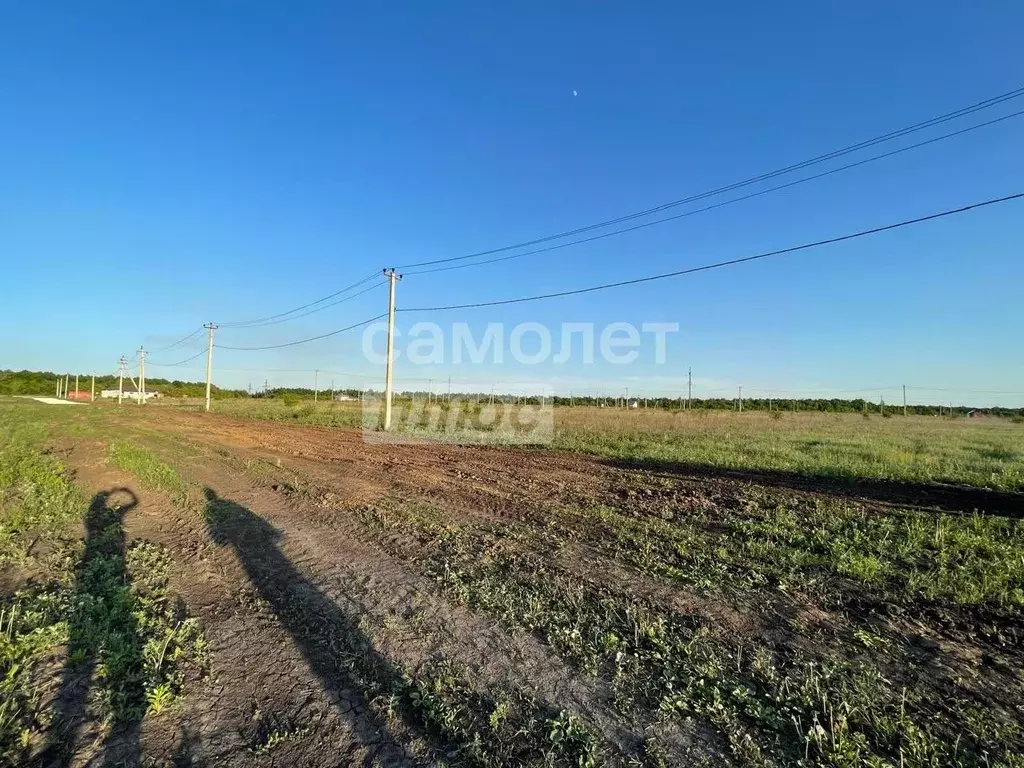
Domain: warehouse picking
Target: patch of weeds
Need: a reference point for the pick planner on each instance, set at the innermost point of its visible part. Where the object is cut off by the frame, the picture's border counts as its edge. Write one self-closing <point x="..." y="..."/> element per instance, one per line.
<point x="780" y="704"/>
<point x="155" y="474"/>
<point x="38" y="502"/>
<point x="277" y="734"/>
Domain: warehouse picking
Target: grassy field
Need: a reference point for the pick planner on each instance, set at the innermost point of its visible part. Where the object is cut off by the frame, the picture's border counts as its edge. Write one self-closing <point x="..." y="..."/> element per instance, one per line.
<point x="492" y="608"/>
<point x="987" y="453"/>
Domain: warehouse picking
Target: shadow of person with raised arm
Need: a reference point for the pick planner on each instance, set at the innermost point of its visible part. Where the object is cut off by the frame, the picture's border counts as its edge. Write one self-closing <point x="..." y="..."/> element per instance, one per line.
<point x="330" y="641"/>
<point x="103" y="644"/>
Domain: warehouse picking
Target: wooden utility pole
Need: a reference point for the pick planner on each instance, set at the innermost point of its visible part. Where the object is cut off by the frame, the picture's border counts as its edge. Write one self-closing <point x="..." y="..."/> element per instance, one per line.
<point x="904" y="399"/>
<point x="392" y="279"/>
<point x="142" y="376"/>
<point x="210" y="327"/>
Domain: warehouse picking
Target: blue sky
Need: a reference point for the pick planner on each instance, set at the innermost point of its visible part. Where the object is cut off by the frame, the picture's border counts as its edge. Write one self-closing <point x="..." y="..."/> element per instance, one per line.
<point x="165" y="166"/>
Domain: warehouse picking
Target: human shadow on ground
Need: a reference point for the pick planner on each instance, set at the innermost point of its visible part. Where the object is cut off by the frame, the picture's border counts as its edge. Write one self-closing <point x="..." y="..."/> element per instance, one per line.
<point x="330" y="641"/>
<point x="954" y="498"/>
<point x="102" y="636"/>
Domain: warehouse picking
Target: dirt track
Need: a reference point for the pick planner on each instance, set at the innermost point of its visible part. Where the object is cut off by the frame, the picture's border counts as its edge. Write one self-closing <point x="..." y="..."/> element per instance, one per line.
<point x="313" y="622"/>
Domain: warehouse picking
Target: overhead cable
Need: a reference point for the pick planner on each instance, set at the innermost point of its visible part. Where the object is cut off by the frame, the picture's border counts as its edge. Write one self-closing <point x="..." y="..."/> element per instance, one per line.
<point x="305" y="341"/>
<point x="715" y="205"/>
<point x="259" y="320"/>
<point x="985" y="104"/>
<point x="730" y="262"/>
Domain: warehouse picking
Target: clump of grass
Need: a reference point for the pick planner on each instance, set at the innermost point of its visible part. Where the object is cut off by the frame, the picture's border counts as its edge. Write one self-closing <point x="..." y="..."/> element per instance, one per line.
<point x="155" y="474"/>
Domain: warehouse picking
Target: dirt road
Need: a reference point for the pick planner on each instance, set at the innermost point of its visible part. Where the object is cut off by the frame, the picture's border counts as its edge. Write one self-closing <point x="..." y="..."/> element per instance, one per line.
<point x="373" y="604"/>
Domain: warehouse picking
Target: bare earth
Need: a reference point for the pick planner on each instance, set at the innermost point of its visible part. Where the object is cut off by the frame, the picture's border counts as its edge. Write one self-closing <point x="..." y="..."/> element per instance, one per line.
<point x="293" y="581"/>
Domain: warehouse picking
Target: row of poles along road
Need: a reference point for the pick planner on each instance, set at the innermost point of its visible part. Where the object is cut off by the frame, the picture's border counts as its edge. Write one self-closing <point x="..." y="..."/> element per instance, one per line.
<point x="393" y="278"/>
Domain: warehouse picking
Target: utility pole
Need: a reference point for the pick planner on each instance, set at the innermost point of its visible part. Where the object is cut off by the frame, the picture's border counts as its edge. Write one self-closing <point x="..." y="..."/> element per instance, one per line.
<point x="881" y="405"/>
<point x="210" y="327"/>
<point x="76" y="382"/>
<point x="120" y="381"/>
<point x="316" y="384"/>
<point x="66" y="377"/>
<point x="741" y="399"/>
<point x="57" y="395"/>
<point x="141" y="376"/>
<point x="689" y="386"/>
<point x="92" y="392"/>
<point x="769" y="402"/>
<point x="449" y="389"/>
<point x="392" y="279"/>
<point x="904" y="399"/>
<point x="491" y="401"/>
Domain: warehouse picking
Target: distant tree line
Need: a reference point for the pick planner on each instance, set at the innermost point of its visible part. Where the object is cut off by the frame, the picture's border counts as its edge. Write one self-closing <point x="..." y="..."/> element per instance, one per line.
<point x="45" y="383"/>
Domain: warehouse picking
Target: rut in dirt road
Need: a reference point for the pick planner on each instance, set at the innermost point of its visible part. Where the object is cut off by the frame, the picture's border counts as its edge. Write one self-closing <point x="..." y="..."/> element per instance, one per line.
<point x="320" y="630"/>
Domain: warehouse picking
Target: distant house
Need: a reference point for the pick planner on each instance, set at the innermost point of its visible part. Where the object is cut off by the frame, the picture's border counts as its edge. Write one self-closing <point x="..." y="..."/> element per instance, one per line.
<point x="976" y="414"/>
<point x="130" y="391"/>
<point x="339" y="397"/>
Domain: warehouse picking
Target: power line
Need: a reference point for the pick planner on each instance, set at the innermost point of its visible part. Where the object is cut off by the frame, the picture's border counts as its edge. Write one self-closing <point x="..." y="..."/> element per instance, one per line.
<point x="304" y="341"/>
<point x="178" y="342"/>
<point x="261" y="320"/>
<point x="180" y="362"/>
<point x="746" y="182"/>
<point x="730" y="262"/>
<point x="313" y="311"/>
<point x="722" y="204"/>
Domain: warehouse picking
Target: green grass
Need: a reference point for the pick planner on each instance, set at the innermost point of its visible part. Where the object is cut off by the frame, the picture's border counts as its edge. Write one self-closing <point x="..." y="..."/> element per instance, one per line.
<point x="986" y="453"/>
<point x="824" y="702"/>
<point x="107" y="602"/>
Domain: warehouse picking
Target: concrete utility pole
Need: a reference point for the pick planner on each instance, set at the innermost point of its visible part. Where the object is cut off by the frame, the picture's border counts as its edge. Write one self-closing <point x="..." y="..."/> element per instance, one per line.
<point x="120" y="381"/>
<point x="316" y="384"/>
<point x="689" y="386"/>
<point x="76" y="382"/>
<point x="142" y="376"/>
<point x="58" y="388"/>
<point x="92" y="389"/>
<point x="904" y="399"/>
<point x="741" y="399"/>
<point x="210" y="327"/>
<point x="449" y="389"/>
<point x="392" y="279"/>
